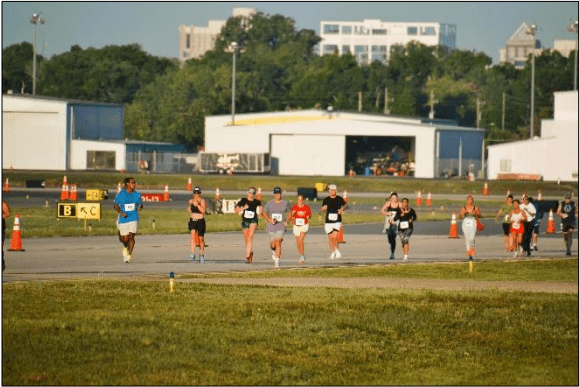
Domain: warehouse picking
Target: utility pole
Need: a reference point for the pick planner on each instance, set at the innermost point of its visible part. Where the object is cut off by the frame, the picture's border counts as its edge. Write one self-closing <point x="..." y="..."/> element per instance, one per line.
<point x="386" y="100"/>
<point x="504" y="99"/>
<point x="478" y="112"/>
<point x="432" y="102"/>
<point x="360" y="101"/>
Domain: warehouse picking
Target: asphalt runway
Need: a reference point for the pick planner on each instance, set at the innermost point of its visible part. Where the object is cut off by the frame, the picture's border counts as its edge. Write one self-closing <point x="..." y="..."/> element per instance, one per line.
<point x="155" y="256"/>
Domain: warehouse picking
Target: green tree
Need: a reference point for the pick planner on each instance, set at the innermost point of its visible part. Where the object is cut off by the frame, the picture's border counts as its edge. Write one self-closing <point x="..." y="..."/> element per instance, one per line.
<point x="17" y="67"/>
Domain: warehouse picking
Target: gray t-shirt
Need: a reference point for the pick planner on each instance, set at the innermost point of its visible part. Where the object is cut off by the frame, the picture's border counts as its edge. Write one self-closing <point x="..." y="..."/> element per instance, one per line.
<point x="277" y="211"/>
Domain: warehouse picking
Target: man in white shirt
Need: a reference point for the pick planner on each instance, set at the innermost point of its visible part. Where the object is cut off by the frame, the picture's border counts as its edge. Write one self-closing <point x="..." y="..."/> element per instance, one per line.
<point x="529" y="208"/>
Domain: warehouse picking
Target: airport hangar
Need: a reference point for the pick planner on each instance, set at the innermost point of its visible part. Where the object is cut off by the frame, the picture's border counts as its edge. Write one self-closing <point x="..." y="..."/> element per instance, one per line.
<point x="321" y="143"/>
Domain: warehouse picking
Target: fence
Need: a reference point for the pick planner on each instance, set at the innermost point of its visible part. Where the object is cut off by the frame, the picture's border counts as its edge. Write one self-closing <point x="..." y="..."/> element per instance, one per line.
<point x="161" y="162"/>
<point x="447" y="168"/>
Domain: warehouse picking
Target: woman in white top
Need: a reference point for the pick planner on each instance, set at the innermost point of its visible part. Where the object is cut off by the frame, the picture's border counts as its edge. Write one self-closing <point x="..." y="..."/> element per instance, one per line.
<point x="529" y="208"/>
<point x="517" y="218"/>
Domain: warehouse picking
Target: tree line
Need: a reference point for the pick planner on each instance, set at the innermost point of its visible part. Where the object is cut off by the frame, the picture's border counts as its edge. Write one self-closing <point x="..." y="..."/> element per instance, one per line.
<point x="277" y="69"/>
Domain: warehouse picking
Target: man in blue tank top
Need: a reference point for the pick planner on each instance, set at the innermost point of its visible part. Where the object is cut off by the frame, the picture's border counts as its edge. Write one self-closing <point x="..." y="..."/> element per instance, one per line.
<point x="128" y="203"/>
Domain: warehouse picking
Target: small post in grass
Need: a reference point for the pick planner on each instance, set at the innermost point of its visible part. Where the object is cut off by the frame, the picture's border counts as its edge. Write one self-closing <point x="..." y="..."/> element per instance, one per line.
<point x="171" y="277"/>
<point x="153" y="224"/>
<point x="470" y="265"/>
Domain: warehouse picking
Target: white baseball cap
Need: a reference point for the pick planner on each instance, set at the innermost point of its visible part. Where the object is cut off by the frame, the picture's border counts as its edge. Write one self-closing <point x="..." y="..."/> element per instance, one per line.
<point x="332" y="186"/>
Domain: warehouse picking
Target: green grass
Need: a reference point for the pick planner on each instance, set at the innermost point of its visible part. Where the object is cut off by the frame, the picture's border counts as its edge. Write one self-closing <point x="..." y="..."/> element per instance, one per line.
<point x="108" y="332"/>
<point x="103" y="180"/>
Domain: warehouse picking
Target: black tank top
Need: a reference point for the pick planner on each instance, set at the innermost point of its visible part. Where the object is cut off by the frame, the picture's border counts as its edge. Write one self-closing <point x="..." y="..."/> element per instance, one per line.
<point x="195" y="209"/>
<point x="393" y="209"/>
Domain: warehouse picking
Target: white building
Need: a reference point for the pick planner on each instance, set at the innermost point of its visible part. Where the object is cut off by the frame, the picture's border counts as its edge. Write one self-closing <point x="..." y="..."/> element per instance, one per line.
<point x="372" y="39"/>
<point x="194" y="41"/>
<point x="553" y="156"/>
<point x="316" y="143"/>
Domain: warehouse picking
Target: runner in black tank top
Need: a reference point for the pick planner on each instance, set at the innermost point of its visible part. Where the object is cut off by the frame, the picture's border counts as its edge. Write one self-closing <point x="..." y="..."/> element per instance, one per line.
<point x="390" y="209"/>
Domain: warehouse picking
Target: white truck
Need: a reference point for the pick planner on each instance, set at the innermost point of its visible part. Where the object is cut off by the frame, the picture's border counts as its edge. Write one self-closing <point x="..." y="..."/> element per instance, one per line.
<point x="223" y="163"/>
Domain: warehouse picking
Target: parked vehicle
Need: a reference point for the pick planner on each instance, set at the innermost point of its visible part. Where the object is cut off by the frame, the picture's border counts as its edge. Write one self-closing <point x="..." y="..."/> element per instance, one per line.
<point x="223" y="163"/>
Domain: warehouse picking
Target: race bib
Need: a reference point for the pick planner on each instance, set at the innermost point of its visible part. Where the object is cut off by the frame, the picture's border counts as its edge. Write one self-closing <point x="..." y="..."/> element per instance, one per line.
<point x="392" y="213"/>
<point x="469" y="221"/>
<point x="249" y="214"/>
<point x="130" y="207"/>
<point x="300" y="221"/>
<point x="333" y="217"/>
<point x="277" y="217"/>
<point x="516" y="225"/>
<point x="403" y="224"/>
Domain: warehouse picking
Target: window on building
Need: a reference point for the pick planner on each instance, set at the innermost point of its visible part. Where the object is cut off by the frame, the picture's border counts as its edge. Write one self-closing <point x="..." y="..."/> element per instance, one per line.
<point x="380" y="31"/>
<point x="100" y="160"/>
<point x="520" y="51"/>
<point x="185" y="54"/>
<point x="429" y="31"/>
<point x="359" y="49"/>
<point x="330" y="48"/>
<point x="360" y="30"/>
<point x="347" y="30"/>
<point x="511" y="52"/>
<point x="331" y="28"/>
<point x="505" y="165"/>
<point x="188" y="41"/>
<point x="379" y="48"/>
<point x="519" y="64"/>
<point x="412" y="31"/>
<point x="346" y="49"/>
<point x="379" y="57"/>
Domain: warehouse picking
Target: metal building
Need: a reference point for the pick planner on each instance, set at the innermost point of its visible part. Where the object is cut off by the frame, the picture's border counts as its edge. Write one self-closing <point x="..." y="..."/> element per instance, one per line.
<point x="315" y="142"/>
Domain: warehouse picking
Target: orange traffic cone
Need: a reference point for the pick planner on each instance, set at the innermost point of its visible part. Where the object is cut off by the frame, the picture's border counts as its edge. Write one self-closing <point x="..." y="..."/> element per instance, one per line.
<point x="508" y="192"/>
<point x="346" y="199"/>
<point x="118" y="187"/>
<point x="419" y="199"/>
<point x="258" y="196"/>
<point x="551" y="223"/>
<point x="64" y="181"/>
<point x="189" y="185"/>
<point x="166" y="196"/>
<point x="428" y="200"/>
<point x="73" y="194"/>
<point x="453" y="226"/>
<point x="539" y="197"/>
<point x="16" y="243"/>
<point x="486" y="190"/>
<point x="217" y="195"/>
<point x="64" y="192"/>
<point x="7" y="186"/>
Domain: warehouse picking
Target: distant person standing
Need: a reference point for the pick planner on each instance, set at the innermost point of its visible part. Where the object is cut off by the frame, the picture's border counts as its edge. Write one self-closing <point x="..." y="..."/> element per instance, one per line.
<point x="505" y="210"/>
<point x="276" y="212"/>
<point x="406" y="216"/>
<point x="568" y="212"/>
<point x="517" y="217"/>
<point x="196" y="208"/>
<point x="469" y="213"/>
<point x="301" y="214"/>
<point x="128" y="203"/>
<point x="249" y="208"/>
<point x="334" y="205"/>
<point x="5" y="215"/>
<point x="390" y="210"/>
<point x="530" y="212"/>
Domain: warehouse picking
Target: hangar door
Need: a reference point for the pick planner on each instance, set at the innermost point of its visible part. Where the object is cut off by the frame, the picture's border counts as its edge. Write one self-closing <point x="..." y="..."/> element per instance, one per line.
<point x="308" y="155"/>
<point x="381" y="155"/>
<point x="33" y="141"/>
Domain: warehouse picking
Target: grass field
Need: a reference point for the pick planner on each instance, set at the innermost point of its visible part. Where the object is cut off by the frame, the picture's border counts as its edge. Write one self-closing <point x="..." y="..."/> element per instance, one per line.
<point x="108" y="332"/>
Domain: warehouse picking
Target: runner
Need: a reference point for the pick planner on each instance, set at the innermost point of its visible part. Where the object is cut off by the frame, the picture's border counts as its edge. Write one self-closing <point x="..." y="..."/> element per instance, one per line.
<point x="517" y="217"/>
<point x="505" y="210"/>
<point x="530" y="212"/>
<point x="276" y="212"/>
<point x="334" y="206"/>
<point x="250" y="208"/>
<point x="301" y="213"/>
<point x="196" y="208"/>
<point x="128" y="203"/>
<point x="390" y="209"/>
<point x="407" y="217"/>
<point x="469" y="213"/>
<point x="568" y="212"/>
<point x="5" y="214"/>
<point x="536" y="226"/>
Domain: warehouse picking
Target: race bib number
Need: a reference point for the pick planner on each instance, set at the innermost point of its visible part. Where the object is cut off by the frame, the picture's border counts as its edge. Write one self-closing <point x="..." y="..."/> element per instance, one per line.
<point x="277" y="217"/>
<point x="392" y="214"/>
<point x="130" y="207"/>
<point x="516" y="225"/>
<point x="300" y="221"/>
<point x="469" y="221"/>
<point x="333" y="217"/>
<point x="249" y="214"/>
<point x="404" y="225"/>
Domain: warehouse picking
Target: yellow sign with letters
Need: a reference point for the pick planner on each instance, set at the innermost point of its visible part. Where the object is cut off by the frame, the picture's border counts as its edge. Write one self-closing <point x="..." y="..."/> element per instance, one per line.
<point x="96" y="194"/>
<point x="88" y="210"/>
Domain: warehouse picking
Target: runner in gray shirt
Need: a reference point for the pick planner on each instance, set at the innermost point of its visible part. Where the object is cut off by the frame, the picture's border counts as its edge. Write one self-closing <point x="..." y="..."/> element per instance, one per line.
<point x="276" y="212"/>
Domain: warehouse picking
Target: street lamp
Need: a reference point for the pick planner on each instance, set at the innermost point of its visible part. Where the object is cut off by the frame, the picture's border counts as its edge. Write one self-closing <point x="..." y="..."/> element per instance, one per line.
<point x="233" y="47"/>
<point x="573" y="28"/>
<point x="532" y="31"/>
<point x="35" y="19"/>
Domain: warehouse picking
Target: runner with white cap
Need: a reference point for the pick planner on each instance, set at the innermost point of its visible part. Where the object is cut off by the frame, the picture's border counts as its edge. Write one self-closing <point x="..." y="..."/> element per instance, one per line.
<point x="334" y="206"/>
<point x="276" y="212"/>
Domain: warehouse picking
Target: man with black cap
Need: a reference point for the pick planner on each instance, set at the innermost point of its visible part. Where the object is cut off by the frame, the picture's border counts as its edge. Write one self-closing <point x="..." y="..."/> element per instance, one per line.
<point x="333" y="205"/>
<point x="196" y="208"/>
<point x="568" y="212"/>
<point x="276" y="212"/>
<point x="249" y="208"/>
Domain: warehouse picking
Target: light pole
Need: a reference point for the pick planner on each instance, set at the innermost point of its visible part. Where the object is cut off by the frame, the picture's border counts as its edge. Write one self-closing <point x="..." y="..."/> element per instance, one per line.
<point x="35" y="19"/>
<point x="573" y="28"/>
<point x="234" y="46"/>
<point x="532" y="31"/>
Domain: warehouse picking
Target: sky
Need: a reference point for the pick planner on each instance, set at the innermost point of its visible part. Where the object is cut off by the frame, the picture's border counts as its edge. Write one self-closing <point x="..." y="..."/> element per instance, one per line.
<point x="480" y="26"/>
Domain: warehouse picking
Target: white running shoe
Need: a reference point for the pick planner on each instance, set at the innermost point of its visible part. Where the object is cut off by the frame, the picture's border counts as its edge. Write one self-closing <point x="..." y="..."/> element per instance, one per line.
<point x="302" y="259"/>
<point x="126" y="254"/>
<point x="405" y="258"/>
<point x="333" y="256"/>
<point x="273" y="255"/>
<point x="192" y="257"/>
<point x="516" y="254"/>
<point x="276" y="264"/>
<point x="338" y="254"/>
<point x="129" y="258"/>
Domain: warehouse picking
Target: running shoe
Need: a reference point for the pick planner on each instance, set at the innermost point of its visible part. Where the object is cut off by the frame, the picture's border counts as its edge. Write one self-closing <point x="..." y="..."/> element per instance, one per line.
<point x="405" y="258"/>
<point x="333" y="256"/>
<point x="302" y="259"/>
<point x="568" y="252"/>
<point x="516" y="254"/>
<point x="201" y="258"/>
<point x="391" y="255"/>
<point x="276" y="263"/>
<point x="192" y="257"/>
<point x="338" y="254"/>
<point x="470" y="258"/>
<point x="273" y="255"/>
<point x="129" y="258"/>
<point x="126" y="254"/>
<point x="535" y="248"/>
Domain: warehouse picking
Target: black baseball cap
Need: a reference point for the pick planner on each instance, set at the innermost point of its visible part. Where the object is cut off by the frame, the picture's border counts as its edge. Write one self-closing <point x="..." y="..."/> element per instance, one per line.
<point x="197" y="189"/>
<point x="277" y="190"/>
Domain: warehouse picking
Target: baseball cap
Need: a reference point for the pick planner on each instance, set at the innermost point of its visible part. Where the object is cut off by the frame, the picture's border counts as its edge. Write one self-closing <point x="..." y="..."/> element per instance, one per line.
<point x="277" y="190"/>
<point x="332" y="186"/>
<point x="251" y="190"/>
<point x="197" y="189"/>
<point x="568" y="195"/>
